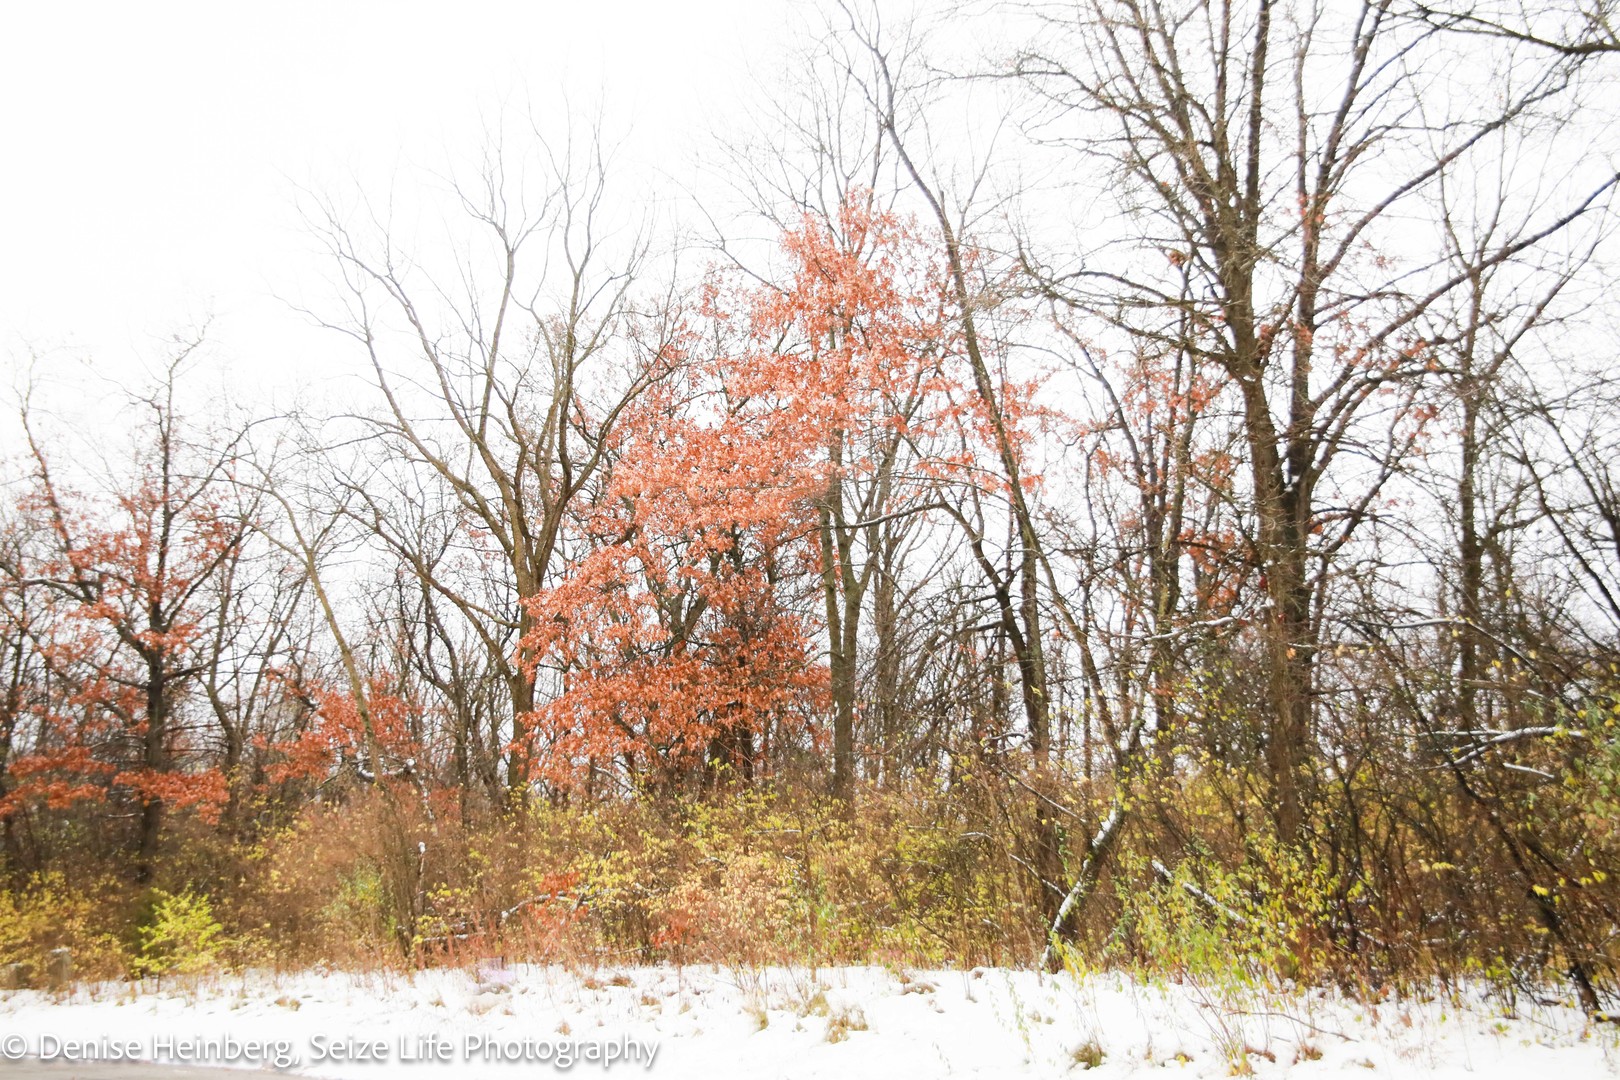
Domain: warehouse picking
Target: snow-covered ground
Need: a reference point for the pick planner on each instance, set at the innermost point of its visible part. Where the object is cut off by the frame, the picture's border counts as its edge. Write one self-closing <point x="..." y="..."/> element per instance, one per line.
<point x="845" y="1023"/>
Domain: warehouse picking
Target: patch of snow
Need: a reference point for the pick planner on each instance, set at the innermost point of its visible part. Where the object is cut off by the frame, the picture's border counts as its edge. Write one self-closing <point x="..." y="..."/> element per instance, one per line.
<point x="844" y="1023"/>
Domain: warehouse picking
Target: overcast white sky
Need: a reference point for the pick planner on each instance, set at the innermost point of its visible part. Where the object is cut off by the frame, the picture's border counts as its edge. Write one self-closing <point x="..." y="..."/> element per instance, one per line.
<point x="151" y="150"/>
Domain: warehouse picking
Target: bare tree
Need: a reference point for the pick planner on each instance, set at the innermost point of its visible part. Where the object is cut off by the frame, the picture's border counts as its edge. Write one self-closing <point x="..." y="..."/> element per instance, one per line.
<point x="1277" y="172"/>
<point x="500" y="387"/>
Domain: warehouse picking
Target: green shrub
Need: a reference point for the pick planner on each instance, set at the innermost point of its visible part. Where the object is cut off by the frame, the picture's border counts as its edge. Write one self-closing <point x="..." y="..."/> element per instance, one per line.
<point x="179" y="935"/>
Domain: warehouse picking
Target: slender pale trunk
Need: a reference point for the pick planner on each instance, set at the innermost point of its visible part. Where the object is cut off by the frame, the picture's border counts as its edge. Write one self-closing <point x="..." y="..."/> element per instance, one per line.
<point x="841" y="594"/>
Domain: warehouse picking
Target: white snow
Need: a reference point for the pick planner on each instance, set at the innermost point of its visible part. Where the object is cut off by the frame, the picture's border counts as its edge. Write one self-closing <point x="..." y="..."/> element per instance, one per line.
<point x="854" y="1023"/>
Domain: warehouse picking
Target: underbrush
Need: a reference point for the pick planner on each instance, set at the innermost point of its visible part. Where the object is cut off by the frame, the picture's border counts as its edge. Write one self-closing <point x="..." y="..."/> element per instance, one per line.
<point x="389" y="879"/>
<point x="752" y="878"/>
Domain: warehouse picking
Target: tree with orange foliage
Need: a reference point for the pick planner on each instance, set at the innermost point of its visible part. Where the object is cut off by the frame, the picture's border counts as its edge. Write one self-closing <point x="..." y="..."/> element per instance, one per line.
<point x="767" y="459"/>
<point x="129" y="586"/>
<point x="866" y="303"/>
<point x="676" y="638"/>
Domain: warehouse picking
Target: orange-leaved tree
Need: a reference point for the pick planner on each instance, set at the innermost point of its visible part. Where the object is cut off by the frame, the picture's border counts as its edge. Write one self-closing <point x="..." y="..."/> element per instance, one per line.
<point x="676" y="638"/>
<point x="129" y="583"/>
<point x="745" y="495"/>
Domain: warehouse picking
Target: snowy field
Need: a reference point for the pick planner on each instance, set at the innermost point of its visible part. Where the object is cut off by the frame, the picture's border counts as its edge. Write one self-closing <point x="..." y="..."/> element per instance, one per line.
<point x="724" y="1024"/>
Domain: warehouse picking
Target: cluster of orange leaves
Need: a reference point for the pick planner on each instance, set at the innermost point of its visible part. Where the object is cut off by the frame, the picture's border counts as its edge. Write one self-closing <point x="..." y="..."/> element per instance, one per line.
<point x="336" y="731"/>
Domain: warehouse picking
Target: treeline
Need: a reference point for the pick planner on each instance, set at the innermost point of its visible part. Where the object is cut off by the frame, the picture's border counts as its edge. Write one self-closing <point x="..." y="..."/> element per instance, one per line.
<point x="1221" y="542"/>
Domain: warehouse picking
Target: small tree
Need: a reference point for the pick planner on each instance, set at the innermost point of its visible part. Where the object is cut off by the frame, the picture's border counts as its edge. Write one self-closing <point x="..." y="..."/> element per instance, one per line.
<point x="128" y="578"/>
